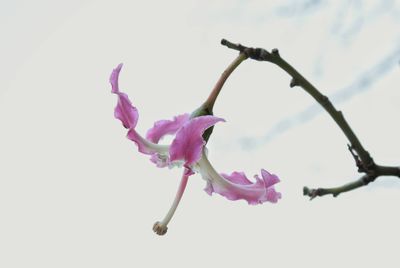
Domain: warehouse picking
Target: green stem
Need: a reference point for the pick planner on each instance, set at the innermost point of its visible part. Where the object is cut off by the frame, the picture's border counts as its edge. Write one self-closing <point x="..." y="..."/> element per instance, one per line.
<point x="209" y="103"/>
<point x="207" y="107"/>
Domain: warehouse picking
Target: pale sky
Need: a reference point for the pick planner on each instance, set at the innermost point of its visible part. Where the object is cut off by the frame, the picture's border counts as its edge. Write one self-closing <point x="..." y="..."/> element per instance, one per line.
<point x="74" y="192"/>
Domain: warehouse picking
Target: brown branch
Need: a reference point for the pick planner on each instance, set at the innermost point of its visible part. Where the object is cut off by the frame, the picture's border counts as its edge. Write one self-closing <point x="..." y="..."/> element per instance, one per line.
<point x="312" y="193"/>
<point x="364" y="161"/>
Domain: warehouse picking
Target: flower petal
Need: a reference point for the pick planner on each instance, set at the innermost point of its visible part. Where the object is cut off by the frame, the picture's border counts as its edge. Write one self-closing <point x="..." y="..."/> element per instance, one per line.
<point x="114" y="79"/>
<point x="188" y="143"/>
<point x="272" y="195"/>
<point x="145" y="146"/>
<point x="237" y="186"/>
<point x="166" y="127"/>
<point x="237" y="177"/>
<point x="128" y="115"/>
<point x="124" y="111"/>
<point x="270" y="179"/>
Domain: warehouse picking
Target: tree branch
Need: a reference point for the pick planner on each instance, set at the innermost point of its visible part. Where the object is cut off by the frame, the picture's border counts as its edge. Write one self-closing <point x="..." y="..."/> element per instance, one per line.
<point x="364" y="161"/>
<point x="312" y="193"/>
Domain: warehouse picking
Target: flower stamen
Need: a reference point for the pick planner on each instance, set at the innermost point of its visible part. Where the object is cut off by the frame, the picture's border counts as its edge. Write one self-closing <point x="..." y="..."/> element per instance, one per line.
<point x="161" y="228"/>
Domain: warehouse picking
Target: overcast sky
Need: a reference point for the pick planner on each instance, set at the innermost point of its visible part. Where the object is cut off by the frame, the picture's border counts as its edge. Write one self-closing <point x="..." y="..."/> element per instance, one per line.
<point x="74" y="192"/>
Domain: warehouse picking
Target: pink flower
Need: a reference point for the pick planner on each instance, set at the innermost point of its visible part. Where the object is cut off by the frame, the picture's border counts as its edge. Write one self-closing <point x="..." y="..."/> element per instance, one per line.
<point x="188" y="149"/>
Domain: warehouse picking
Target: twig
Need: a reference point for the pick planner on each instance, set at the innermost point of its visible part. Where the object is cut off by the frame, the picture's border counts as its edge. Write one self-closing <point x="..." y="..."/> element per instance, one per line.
<point x="364" y="161"/>
<point x="312" y="193"/>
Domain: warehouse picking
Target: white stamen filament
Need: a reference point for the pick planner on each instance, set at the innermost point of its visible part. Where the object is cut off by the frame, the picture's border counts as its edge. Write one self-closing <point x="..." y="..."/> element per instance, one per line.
<point x="209" y="173"/>
<point x="161" y="228"/>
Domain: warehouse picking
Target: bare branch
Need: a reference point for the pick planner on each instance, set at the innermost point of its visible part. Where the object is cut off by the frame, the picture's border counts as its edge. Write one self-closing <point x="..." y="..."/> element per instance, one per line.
<point x="364" y="161"/>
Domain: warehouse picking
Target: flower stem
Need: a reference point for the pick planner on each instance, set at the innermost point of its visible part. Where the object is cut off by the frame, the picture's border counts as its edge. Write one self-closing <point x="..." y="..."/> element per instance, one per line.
<point x="207" y="107"/>
<point x="209" y="103"/>
<point x="161" y="227"/>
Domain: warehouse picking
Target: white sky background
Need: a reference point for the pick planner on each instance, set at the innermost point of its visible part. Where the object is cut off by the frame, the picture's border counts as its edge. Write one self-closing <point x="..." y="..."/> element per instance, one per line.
<point x="74" y="192"/>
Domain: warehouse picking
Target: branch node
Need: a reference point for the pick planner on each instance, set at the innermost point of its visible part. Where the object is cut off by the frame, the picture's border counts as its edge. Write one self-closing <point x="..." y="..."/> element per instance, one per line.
<point x="294" y="82"/>
<point x="312" y="193"/>
<point x="258" y="54"/>
<point x="359" y="164"/>
<point x="306" y="190"/>
<point x="275" y="52"/>
<point x="368" y="178"/>
<point x="325" y="100"/>
<point x="250" y="52"/>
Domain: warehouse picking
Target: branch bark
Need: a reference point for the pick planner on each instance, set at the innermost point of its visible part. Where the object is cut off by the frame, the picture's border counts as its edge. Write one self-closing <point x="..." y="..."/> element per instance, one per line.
<point x="363" y="159"/>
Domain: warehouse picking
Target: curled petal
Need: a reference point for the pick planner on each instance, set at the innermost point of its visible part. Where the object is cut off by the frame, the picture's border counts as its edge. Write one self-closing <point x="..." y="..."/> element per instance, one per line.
<point x="272" y="195"/>
<point x="145" y="146"/>
<point x="114" y="79"/>
<point x="128" y="115"/>
<point x="124" y="111"/>
<point x="237" y="186"/>
<point x="269" y="179"/>
<point x="166" y="127"/>
<point x="188" y="143"/>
